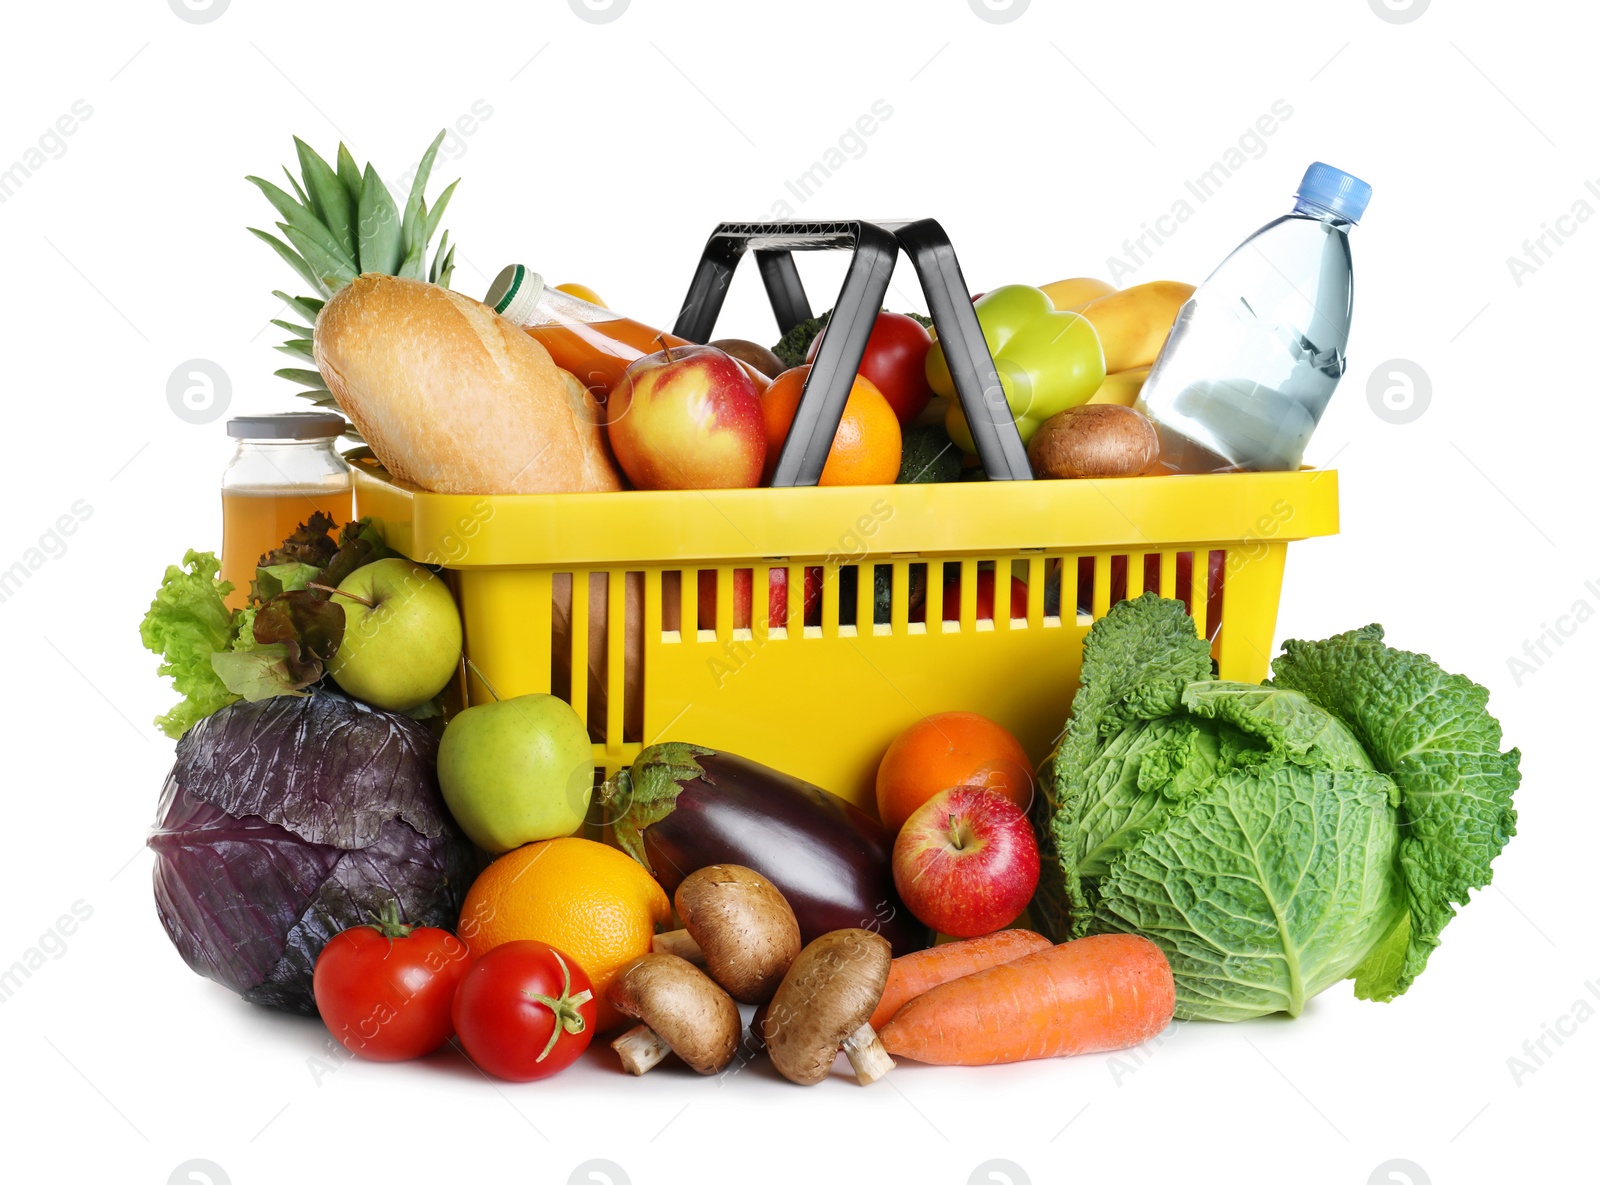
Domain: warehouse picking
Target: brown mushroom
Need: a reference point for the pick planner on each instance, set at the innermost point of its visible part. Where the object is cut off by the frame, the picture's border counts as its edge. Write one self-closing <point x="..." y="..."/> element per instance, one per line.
<point x="739" y="926"/>
<point x="824" y="1002"/>
<point x="682" y="1012"/>
<point x="1095" y="440"/>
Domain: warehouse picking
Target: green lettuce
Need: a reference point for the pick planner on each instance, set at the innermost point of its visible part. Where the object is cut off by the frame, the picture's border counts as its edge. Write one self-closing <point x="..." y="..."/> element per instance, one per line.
<point x="1272" y="839"/>
<point x="279" y="644"/>
<point x="186" y="624"/>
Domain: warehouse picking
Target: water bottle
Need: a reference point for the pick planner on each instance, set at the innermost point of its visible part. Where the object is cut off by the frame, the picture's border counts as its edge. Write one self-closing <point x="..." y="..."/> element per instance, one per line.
<point x="1255" y="354"/>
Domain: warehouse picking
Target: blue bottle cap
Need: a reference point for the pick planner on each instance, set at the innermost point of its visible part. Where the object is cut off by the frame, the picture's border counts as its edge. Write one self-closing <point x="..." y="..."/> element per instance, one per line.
<point x="1334" y="189"/>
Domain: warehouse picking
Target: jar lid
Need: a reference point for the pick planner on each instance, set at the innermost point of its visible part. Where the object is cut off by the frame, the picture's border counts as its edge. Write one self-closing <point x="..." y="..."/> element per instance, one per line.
<point x="514" y="293"/>
<point x="289" y="425"/>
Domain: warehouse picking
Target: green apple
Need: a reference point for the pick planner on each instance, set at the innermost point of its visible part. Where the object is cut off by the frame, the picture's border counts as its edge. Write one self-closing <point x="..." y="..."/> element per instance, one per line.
<point x="402" y="635"/>
<point x="516" y="771"/>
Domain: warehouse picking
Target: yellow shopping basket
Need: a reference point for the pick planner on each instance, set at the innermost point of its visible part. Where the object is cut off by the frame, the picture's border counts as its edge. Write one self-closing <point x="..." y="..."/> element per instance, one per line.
<point x="805" y="626"/>
<point x="656" y="614"/>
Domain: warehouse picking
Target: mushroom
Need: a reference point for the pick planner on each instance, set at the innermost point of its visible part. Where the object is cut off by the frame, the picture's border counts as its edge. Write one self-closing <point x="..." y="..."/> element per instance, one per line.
<point x="824" y="1002"/>
<point x="739" y="926"/>
<point x="1095" y="440"/>
<point x="682" y="1012"/>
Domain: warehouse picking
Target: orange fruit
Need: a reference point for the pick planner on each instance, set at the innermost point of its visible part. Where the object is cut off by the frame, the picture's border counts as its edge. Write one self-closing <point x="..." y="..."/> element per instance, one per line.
<point x="950" y="749"/>
<point x="866" y="448"/>
<point x="587" y="900"/>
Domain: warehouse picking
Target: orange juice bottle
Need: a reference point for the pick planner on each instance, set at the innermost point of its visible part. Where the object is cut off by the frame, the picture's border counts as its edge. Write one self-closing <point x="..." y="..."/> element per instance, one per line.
<point x="588" y="340"/>
<point x="284" y="469"/>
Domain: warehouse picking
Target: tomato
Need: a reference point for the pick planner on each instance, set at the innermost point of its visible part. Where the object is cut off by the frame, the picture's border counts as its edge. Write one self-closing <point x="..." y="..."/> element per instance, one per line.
<point x="385" y="991"/>
<point x="985" y="597"/>
<point x="525" y="1011"/>
<point x="896" y="363"/>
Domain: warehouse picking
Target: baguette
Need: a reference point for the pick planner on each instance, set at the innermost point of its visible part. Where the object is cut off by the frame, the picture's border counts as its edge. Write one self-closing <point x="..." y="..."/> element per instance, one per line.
<point x="454" y="399"/>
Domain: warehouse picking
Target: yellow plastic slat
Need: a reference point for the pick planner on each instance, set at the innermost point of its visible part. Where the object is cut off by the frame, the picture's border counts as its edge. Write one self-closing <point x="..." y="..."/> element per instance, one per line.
<point x="933" y="599"/>
<point x="724" y="623"/>
<point x="866" y="598"/>
<point x="760" y="602"/>
<point x="1102" y="586"/>
<point x="616" y="654"/>
<point x="796" y="615"/>
<point x="830" y="601"/>
<point x="580" y="645"/>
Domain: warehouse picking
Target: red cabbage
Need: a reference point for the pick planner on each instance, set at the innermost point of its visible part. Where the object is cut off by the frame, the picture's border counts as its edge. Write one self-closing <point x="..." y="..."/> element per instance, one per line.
<point x="289" y="819"/>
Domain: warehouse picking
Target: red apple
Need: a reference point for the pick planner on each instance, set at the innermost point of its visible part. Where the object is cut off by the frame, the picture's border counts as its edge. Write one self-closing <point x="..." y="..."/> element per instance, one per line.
<point x="743" y="588"/>
<point x="687" y="417"/>
<point x="966" y="862"/>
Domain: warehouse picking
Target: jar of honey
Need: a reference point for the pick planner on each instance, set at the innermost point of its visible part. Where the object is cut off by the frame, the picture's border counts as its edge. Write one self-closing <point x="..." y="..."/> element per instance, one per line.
<point x="285" y="468"/>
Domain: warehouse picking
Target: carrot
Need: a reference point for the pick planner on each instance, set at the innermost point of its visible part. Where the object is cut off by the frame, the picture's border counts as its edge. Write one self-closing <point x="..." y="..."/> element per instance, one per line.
<point x="1105" y="992"/>
<point x="911" y="975"/>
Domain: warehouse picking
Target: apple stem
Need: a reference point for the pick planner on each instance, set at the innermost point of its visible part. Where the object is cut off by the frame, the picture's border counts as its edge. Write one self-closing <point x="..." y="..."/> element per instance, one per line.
<point x="335" y="592"/>
<point x="956" y="836"/>
<point x="666" y="346"/>
<point x="473" y="667"/>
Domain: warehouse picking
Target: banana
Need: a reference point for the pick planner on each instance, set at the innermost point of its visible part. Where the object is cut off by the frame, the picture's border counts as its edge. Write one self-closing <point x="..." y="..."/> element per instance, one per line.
<point x="1122" y="387"/>
<point x="1071" y="295"/>
<point x="1133" y="324"/>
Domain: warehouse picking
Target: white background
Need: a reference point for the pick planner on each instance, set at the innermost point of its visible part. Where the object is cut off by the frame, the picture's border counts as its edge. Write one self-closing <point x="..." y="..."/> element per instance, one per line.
<point x="610" y="152"/>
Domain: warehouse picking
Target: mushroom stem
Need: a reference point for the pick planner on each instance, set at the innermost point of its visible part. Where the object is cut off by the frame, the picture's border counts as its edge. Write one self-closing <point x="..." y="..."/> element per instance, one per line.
<point x="641" y="1048"/>
<point x="680" y="943"/>
<point x="868" y="1058"/>
<point x="757" y="1040"/>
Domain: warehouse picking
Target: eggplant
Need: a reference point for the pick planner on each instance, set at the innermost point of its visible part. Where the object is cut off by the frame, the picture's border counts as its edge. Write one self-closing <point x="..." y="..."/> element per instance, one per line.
<point x="681" y="807"/>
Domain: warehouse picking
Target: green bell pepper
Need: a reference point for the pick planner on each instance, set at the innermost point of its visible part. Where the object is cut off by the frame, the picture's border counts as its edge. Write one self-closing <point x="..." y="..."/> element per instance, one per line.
<point x="1048" y="361"/>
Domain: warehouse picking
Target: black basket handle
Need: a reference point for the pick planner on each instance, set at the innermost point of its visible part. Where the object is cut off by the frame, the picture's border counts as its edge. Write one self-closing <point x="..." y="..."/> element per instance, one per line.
<point x="876" y="248"/>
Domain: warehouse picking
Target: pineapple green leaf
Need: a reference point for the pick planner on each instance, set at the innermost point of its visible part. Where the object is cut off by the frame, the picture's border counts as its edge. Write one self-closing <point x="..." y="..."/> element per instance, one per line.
<point x="306" y="378"/>
<point x="307" y="273"/>
<point x="445" y="269"/>
<point x="335" y="272"/>
<point x="349" y="174"/>
<point x="330" y="202"/>
<point x="307" y="306"/>
<point x="439" y="257"/>
<point x="380" y="246"/>
<point x="437" y="212"/>
<point x="299" y="347"/>
<point x="414" y="266"/>
<point x="298" y="192"/>
<point x="294" y="330"/>
<point x="306" y="223"/>
<point x="412" y="224"/>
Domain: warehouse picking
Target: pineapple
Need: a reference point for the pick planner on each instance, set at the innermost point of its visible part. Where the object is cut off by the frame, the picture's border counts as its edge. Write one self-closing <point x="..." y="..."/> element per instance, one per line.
<point x="339" y="223"/>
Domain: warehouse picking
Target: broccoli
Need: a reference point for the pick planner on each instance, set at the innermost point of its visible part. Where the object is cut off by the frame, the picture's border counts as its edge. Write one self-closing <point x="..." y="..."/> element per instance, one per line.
<point x="792" y="349"/>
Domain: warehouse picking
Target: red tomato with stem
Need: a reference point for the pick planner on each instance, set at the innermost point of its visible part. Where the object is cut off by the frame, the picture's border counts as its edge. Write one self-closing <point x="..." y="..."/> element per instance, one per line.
<point x="525" y="1011"/>
<point x="385" y="990"/>
<point x="896" y="363"/>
